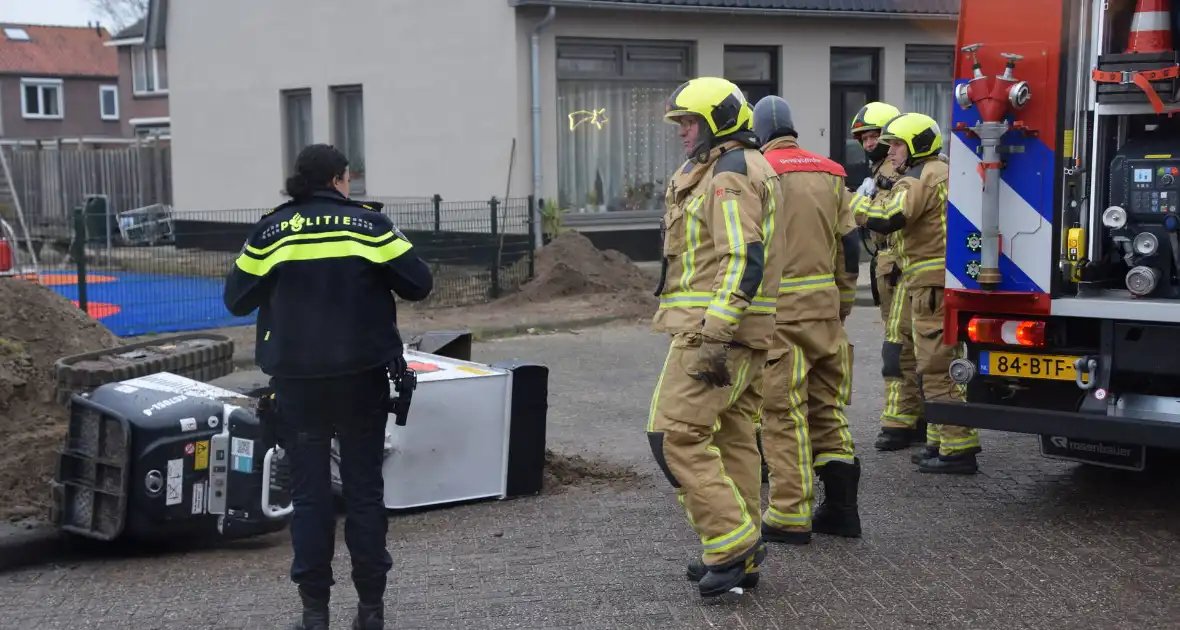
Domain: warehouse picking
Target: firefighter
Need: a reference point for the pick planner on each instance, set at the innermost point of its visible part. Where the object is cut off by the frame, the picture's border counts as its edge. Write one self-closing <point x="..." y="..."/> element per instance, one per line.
<point x="808" y="378"/>
<point x="901" y="417"/>
<point x="718" y="254"/>
<point x="915" y="212"/>
<point x="320" y="269"/>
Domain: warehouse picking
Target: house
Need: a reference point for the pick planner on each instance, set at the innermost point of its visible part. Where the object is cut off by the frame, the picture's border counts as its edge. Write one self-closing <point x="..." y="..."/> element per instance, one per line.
<point x="57" y="81"/>
<point x="143" y="76"/>
<point x="434" y="97"/>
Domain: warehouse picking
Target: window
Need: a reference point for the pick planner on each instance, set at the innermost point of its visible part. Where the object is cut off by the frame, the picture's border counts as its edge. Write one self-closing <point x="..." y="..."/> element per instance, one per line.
<point x="108" y="102"/>
<point x="615" y="151"/>
<point x="929" y="84"/>
<point x="149" y="72"/>
<point x="41" y="98"/>
<point x="754" y="70"/>
<point x="348" y="131"/>
<point x="296" y="124"/>
<point x="16" y="34"/>
<point x="855" y="77"/>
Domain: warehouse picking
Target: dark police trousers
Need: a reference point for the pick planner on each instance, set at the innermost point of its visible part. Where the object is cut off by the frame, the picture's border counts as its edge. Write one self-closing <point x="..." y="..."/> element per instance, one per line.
<point x="353" y="408"/>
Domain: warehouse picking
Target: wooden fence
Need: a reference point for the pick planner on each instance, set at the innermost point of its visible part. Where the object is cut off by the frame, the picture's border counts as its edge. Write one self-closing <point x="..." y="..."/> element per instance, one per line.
<point x="52" y="178"/>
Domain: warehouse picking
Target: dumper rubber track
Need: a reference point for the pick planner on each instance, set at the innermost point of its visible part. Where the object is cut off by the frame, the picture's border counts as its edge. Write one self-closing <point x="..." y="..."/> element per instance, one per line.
<point x="201" y="357"/>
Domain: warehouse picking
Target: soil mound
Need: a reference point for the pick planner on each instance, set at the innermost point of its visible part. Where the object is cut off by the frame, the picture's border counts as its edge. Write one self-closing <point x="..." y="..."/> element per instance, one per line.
<point x="570" y="470"/>
<point x="571" y="265"/>
<point x="37" y="327"/>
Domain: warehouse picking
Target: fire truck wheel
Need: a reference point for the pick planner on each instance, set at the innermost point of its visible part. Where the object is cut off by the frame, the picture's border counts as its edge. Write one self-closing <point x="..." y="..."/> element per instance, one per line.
<point x="201" y="357"/>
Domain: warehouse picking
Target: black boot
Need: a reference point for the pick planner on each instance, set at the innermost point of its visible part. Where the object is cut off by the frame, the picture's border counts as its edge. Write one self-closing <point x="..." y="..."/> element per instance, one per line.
<point x="369" y="617"/>
<point x="719" y="580"/>
<point x="697" y="569"/>
<point x="315" y="613"/>
<point x="929" y="452"/>
<point x="838" y="514"/>
<point x="897" y="438"/>
<point x="957" y="464"/>
<point x="785" y="536"/>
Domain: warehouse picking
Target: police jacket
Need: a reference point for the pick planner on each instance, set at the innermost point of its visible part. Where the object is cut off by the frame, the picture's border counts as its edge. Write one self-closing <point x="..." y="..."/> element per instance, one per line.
<point x="814" y="219"/>
<point x="322" y="272"/>
<point x="915" y="212"/>
<point x="723" y="264"/>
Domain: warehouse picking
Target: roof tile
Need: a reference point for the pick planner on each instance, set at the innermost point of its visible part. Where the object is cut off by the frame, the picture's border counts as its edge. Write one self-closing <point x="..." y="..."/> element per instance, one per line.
<point x="58" y="51"/>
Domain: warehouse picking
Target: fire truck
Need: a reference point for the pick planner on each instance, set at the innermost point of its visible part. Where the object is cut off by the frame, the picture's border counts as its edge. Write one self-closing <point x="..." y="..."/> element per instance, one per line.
<point x="1063" y="227"/>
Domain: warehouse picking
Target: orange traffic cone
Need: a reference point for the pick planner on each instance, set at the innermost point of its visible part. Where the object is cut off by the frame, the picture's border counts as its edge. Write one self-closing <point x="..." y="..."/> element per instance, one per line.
<point x="1151" y="28"/>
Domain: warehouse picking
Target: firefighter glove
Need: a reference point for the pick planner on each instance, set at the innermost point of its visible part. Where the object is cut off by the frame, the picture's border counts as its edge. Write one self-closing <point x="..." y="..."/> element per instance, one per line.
<point x="710" y="363"/>
<point x="867" y="187"/>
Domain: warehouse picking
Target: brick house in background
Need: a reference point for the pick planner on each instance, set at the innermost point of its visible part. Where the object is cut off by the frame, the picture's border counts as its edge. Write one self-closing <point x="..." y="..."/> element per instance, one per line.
<point x="58" y="81"/>
<point x="143" y="76"/>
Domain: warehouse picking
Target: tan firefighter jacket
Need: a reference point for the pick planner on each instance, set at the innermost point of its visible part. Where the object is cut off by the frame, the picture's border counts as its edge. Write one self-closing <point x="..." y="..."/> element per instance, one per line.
<point x="718" y="234"/>
<point x="883" y="242"/>
<point x="919" y="242"/>
<point x="812" y="216"/>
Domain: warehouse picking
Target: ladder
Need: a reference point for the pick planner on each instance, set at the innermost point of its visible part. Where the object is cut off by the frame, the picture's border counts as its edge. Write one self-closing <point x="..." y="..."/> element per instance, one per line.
<point x="9" y="197"/>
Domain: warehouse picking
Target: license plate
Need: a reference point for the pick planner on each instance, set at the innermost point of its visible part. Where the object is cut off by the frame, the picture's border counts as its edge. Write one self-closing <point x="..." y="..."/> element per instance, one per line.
<point x="1042" y="366"/>
<point x="1108" y="454"/>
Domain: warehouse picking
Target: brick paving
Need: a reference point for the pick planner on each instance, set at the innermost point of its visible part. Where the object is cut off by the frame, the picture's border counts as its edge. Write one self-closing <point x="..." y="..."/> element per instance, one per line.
<point x="1029" y="543"/>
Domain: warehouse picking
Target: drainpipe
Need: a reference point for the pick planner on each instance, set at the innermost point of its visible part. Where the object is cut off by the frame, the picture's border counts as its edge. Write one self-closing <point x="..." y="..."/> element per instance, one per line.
<point x="536" y="79"/>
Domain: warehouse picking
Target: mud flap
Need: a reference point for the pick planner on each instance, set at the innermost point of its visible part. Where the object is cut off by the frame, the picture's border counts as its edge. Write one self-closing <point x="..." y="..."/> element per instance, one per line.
<point x="656" y="440"/>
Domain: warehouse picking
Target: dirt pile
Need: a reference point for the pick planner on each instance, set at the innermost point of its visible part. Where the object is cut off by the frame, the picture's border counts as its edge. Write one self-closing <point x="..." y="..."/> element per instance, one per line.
<point x="570" y="265"/>
<point x="37" y="327"/>
<point x="571" y="470"/>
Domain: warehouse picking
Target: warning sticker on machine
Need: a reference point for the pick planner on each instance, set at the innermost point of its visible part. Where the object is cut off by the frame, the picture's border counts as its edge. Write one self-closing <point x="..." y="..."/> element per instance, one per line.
<point x="199" y="498"/>
<point x="175" y="384"/>
<point x="175" y="488"/>
<point x="424" y="368"/>
<point x="201" y="456"/>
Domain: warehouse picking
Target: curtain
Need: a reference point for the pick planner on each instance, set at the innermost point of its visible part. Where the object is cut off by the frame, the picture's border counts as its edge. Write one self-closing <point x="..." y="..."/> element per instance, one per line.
<point x="614" y="150"/>
<point x="934" y="100"/>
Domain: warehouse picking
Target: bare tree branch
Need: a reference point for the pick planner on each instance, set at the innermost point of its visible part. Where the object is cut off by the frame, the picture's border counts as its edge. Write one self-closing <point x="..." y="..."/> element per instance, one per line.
<point x="120" y="13"/>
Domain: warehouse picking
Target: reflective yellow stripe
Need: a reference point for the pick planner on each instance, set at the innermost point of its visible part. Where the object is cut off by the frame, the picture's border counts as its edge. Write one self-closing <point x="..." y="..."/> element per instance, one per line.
<point x="892" y="207"/>
<point x="847" y="295"/>
<point x="692" y="237"/>
<point x="806" y="283"/>
<point x="703" y="299"/>
<point x="720" y="307"/>
<point x="295" y="251"/>
<point x="923" y="265"/>
<point x="317" y="236"/>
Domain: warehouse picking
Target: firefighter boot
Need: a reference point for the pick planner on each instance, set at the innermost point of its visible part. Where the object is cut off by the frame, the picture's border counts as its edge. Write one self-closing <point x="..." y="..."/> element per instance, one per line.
<point x="697" y="568"/>
<point x="897" y="438"/>
<point x="838" y="514"/>
<point x="957" y="464"/>
<point x="315" y="613"/>
<point x="929" y="452"/>
<point x="719" y="580"/>
<point x="369" y="617"/>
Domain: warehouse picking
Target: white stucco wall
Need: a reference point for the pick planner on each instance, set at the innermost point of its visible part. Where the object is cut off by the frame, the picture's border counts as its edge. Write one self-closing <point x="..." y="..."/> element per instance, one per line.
<point x="446" y="86"/>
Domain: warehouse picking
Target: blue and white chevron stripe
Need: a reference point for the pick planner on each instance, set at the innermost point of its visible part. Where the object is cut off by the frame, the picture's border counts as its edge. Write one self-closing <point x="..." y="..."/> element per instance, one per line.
<point x="1026" y="209"/>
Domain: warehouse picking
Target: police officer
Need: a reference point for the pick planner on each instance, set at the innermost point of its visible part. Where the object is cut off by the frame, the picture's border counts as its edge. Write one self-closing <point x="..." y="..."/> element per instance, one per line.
<point x="807" y="383"/>
<point x="322" y="269"/>
<point x="719" y="251"/>
<point x="916" y="213"/>
<point x="901" y="417"/>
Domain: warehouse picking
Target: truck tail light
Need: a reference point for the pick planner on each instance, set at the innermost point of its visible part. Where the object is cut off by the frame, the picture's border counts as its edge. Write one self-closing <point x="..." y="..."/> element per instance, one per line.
<point x="1008" y="332"/>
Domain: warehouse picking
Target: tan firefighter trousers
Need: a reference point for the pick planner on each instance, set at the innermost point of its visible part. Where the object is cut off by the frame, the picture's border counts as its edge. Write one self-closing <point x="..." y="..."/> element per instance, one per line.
<point x="903" y="400"/>
<point x="934" y="362"/>
<point x="703" y="439"/>
<point x="806" y="387"/>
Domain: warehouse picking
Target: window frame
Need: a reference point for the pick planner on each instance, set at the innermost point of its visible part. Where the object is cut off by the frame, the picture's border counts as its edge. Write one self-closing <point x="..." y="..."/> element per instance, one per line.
<point x="625" y="53"/>
<point x="286" y="98"/>
<point x="774" y="84"/>
<point x="872" y="88"/>
<point x="41" y="84"/>
<point x="102" y="90"/>
<point x="151" y="70"/>
<point x="339" y="133"/>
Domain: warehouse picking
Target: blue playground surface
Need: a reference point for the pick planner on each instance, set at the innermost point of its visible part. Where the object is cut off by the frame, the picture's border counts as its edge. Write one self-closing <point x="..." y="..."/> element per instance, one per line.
<point x="131" y="304"/>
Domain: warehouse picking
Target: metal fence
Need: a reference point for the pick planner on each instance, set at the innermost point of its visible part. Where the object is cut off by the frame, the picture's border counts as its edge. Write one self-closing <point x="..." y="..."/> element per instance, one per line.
<point x="51" y="178"/>
<point x="155" y="270"/>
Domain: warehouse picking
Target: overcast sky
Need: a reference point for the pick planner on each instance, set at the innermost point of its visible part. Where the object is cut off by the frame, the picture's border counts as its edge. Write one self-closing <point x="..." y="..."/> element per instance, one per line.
<point x="61" y="12"/>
